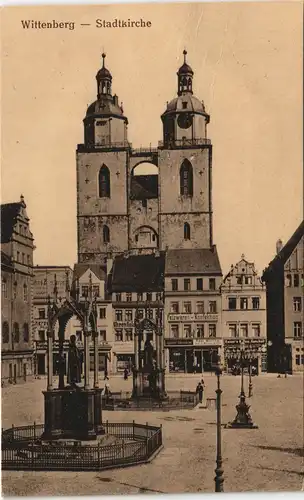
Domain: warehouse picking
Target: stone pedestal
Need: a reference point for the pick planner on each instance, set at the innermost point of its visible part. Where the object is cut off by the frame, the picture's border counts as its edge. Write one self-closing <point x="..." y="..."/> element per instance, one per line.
<point x="147" y="384"/>
<point x="72" y="413"/>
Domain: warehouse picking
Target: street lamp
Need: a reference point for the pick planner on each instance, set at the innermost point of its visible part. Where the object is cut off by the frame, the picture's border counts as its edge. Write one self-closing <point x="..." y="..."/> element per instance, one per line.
<point x="219" y="479"/>
<point x="243" y="418"/>
<point x="250" y="386"/>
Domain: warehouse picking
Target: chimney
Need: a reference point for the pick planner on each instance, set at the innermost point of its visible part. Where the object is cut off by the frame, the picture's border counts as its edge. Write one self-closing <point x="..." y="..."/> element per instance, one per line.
<point x="279" y="246"/>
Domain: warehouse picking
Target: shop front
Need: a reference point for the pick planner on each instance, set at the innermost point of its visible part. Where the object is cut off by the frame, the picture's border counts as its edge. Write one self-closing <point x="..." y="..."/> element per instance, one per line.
<point x="192" y="355"/>
<point x="255" y="355"/>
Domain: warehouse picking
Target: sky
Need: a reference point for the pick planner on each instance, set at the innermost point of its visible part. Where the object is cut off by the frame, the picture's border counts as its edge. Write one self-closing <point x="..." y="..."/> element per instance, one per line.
<point x="247" y="62"/>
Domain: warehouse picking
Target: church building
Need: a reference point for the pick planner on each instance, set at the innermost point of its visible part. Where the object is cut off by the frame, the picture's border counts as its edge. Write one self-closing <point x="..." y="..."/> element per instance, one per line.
<point x="123" y="212"/>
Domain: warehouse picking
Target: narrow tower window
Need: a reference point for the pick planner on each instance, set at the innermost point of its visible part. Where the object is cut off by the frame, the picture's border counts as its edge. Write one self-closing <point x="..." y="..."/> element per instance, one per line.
<point x="106" y="234"/>
<point x="104" y="182"/>
<point x="186" y="179"/>
<point x="186" y="231"/>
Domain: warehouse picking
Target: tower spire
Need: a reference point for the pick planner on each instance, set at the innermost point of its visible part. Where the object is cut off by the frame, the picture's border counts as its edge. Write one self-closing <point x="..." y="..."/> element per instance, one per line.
<point x="185" y="53"/>
<point x="185" y="77"/>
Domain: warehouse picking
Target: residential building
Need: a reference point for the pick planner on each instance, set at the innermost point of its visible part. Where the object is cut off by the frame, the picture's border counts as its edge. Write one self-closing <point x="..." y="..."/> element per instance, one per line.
<point x="193" y="333"/>
<point x="17" y="246"/>
<point x="284" y="298"/>
<point x="136" y="283"/>
<point x="244" y="312"/>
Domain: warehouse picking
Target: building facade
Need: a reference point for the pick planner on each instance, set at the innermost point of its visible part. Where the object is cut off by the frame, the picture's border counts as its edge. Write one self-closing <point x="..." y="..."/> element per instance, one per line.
<point x="192" y="318"/>
<point x="118" y="210"/>
<point x="136" y="283"/>
<point x="285" y="285"/>
<point x="244" y="312"/>
<point x="17" y="246"/>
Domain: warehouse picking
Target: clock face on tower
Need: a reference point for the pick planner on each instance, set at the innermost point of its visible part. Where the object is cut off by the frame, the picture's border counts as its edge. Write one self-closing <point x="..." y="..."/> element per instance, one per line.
<point x="184" y="120"/>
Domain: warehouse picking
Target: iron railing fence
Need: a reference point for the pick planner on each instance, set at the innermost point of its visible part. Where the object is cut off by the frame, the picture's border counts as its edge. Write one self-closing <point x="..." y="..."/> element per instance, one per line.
<point x="176" y="399"/>
<point x="22" y="449"/>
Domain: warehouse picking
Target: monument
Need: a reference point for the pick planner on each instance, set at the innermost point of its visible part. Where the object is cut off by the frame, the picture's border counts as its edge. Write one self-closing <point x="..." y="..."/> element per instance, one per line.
<point x="148" y="370"/>
<point x="73" y="410"/>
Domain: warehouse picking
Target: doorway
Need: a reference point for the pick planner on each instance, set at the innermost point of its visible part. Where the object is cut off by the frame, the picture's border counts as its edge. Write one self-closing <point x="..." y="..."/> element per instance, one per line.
<point x="41" y="364"/>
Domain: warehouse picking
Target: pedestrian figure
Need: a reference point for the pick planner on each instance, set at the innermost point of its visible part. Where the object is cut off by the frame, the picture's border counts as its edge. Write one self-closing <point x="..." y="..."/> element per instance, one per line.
<point x="126" y="374"/>
<point x="200" y="391"/>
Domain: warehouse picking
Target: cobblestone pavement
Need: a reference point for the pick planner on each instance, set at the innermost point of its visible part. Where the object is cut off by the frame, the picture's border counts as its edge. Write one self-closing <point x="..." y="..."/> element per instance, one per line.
<point x="269" y="458"/>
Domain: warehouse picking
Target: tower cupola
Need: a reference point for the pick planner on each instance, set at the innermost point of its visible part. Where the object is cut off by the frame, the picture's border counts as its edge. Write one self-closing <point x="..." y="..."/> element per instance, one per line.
<point x="185" y="77"/>
<point x="104" y="80"/>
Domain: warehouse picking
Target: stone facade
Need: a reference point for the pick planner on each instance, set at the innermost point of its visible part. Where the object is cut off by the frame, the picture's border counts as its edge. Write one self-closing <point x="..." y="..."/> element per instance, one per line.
<point x="17" y="247"/>
<point x="118" y="210"/>
<point x="244" y="311"/>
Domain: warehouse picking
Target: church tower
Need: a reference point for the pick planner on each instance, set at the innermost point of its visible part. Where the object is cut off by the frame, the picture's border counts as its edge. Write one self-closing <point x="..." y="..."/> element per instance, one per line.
<point x="102" y="199"/>
<point x="184" y="161"/>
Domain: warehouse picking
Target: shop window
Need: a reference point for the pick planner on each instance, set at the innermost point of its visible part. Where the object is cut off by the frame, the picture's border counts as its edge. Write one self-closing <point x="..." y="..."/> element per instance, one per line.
<point x="244" y="303"/>
<point x="129" y="335"/>
<point x="174" y="308"/>
<point x="211" y="283"/>
<point x="187" y="285"/>
<point x="256" y="330"/>
<point x="102" y="313"/>
<point x="255" y="302"/>
<point x="174" y="284"/>
<point x="129" y="315"/>
<point x="129" y="297"/>
<point x="297" y="304"/>
<point x="118" y="297"/>
<point x="212" y="331"/>
<point x="5" y="332"/>
<point x="41" y="313"/>
<point x="174" y="331"/>
<point x="200" y="331"/>
<point x="187" y="307"/>
<point x="296" y="280"/>
<point x="232" y="303"/>
<point x="96" y="290"/>
<point x="118" y="335"/>
<point x="118" y="315"/>
<point x="233" y="332"/>
<point x="297" y="329"/>
<point x="244" y="330"/>
<point x="200" y="307"/>
<point x="199" y="284"/>
<point x="187" y="331"/>
<point x="26" y="335"/>
<point x="103" y="335"/>
<point x="212" y="306"/>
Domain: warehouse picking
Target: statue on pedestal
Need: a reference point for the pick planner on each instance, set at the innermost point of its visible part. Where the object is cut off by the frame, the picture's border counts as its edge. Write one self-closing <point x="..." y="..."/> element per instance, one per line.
<point x="74" y="362"/>
<point x="148" y="355"/>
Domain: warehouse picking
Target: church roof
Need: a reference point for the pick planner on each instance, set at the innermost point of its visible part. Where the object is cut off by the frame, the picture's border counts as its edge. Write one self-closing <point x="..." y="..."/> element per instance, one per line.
<point x="104" y="107"/>
<point x="193" y="261"/>
<point x="194" y="105"/>
<point x="9" y="213"/>
<point x="138" y="273"/>
<point x="98" y="270"/>
<point x="284" y="254"/>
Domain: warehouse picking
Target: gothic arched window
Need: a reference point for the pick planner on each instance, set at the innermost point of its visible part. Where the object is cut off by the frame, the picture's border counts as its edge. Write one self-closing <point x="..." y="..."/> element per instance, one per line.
<point x="104" y="182"/>
<point x="5" y="332"/>
<point x="16" y="336"/>
<point x="186" y="179"/>
<point x="106" y="234"/>
<point x="187" y="234"/>
<point x="26" y="332"/>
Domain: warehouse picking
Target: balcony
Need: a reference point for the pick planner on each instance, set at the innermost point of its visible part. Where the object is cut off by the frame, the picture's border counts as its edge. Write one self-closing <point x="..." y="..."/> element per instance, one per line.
<point x="107" y="145"/>
<point x="184" y="143"/>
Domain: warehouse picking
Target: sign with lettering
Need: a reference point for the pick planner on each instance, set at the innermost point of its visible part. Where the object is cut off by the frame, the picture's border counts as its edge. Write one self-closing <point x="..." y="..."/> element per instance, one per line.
<point x="123" y="324"/>
<point x="192" y="317"/>
<point x="44" y="282"/>
<point x="178" y="342"/>
<point x="209" y="342"/>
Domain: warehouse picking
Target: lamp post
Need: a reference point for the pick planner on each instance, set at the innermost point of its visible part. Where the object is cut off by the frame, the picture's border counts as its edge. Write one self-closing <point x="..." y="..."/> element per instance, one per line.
<point x="250" y="386"/>
<point x="243" y="418"/>
<point x="219" y="479"/>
